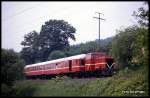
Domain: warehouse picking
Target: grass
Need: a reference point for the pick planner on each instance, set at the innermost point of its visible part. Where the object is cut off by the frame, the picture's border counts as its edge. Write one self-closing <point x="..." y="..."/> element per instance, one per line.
<point x="126" y="82"/>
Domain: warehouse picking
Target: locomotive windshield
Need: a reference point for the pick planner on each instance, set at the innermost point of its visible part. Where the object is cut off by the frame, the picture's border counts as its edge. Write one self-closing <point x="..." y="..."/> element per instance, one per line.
<point x="109" y="62"/>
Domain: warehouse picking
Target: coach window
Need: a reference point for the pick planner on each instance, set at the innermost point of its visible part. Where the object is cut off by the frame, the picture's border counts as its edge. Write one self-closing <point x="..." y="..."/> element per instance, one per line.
<point x="44" y="67"/>
<point x="56" y="65"/>
<point x="40" y="67"/>
<point x="47" y="67"/>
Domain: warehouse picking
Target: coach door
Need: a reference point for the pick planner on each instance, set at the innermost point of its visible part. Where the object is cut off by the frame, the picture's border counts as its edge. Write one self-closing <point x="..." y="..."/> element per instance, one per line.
<point x="82" y="64"/>
<point x="70" y="65"/>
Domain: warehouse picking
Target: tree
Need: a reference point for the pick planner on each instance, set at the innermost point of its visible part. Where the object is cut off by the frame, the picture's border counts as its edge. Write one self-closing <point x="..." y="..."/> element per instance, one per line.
<point x="30" y="51"/>
<point x="11" y="67"/>
<point x="130" y="47"/>
<point x="142" y="42"/>
<point x="54" y="35"/>
<point x="123" y="45"/>
<point x="141" y="51"/>
<point x="11" y="70"/>
<point x="88" y="47"/>
<point x="56" y="55"/>
<point x="142" y="15"/>
<point x="30" y="55"/>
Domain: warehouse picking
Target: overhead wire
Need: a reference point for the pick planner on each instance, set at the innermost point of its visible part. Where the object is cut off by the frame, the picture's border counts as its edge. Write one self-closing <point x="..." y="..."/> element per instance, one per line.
<point x="31" y="23"/>
<point x="20" y="12"/>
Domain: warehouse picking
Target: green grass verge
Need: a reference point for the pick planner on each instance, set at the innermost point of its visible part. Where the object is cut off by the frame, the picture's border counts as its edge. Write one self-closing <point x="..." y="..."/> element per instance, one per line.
<point x="125" y="83"/>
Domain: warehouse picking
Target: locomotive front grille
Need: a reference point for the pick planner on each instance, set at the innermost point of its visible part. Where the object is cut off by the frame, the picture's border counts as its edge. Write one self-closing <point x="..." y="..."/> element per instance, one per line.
<point x="109" y="63"/>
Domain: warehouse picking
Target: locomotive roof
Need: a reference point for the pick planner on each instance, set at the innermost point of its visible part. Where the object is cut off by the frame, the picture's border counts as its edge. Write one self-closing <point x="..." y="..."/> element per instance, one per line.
<point x="58" y="60"/>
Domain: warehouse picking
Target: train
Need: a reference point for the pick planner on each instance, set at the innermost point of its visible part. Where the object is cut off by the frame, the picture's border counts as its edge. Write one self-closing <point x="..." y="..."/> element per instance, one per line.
<point x="79" y="65"/>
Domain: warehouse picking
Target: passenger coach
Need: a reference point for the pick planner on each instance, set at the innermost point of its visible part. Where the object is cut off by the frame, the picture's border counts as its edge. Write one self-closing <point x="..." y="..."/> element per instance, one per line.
<point x="98" y="63"/>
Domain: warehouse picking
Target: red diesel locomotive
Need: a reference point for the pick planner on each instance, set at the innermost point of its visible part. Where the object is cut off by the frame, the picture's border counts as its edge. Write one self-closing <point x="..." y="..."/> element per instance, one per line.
<point x="98" y="63"/>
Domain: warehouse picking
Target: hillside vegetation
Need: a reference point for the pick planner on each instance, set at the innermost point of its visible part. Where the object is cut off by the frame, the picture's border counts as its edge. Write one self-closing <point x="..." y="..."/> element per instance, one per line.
<point x="127" y="82"/>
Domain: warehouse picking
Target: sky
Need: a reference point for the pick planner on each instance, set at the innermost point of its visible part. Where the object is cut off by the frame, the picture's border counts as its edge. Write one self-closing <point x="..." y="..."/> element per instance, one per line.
<point x="20" y="18"/>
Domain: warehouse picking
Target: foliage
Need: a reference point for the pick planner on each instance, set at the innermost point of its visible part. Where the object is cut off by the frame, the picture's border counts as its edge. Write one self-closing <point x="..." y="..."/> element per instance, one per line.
<point x="141" y="51"/>
<point x="11" y="66"/>
<point x="30" y="51"/>
<point x="30" y="39"/>
<point x="6" y="90"/>
<point x="11" y="70"/>
<point x="128" y="84"/>
<point x="122" y="46"/>
<point x="56" y="55"/>
<point x="142" y="15"/>
<point x="54" y="35"/>
<point x="88" y="47"/>
<point x="24" y="88"/>
<point x="128" y="45"/>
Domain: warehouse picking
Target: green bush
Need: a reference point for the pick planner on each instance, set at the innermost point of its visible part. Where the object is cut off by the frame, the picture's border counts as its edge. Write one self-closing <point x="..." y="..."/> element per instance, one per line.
<point x="24" y="88"/>
<point x="11" y="67"/>
<point x="6" y="90"/>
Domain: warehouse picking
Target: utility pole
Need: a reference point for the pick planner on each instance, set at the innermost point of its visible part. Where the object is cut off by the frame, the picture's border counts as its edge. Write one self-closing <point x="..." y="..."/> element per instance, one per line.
<point x="99" y="18"/>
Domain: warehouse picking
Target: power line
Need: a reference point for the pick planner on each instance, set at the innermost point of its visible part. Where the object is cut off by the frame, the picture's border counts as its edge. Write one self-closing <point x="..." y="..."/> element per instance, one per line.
<point x="42" y="17"/>
<point x="99" y="23"/>
<point x="10" y="17"/>
<point x="31" y="23"/>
